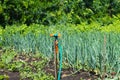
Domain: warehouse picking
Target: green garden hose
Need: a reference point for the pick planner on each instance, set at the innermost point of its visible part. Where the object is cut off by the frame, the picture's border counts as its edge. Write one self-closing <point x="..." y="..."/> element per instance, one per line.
<point x="58" y="47"/>
<point x="60" y="61"/>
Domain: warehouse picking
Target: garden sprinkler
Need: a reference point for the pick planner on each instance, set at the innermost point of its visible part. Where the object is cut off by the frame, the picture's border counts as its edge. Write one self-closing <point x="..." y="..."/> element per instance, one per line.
<point x="57" y="48"/>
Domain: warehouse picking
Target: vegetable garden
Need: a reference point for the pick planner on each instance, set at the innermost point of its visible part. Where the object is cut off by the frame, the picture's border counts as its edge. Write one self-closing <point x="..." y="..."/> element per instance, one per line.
<point x="89" y="41"/>
<point x="92" y="48"/>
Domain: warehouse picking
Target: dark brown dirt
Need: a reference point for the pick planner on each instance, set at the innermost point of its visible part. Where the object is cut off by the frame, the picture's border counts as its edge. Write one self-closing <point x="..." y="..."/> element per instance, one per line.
<point x="67" y="74"/>
<point x="12" y="75"/>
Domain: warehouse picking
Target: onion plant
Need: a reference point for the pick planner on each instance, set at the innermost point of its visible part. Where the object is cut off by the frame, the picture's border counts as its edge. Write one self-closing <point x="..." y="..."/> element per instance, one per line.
<point x="98" y="51"/>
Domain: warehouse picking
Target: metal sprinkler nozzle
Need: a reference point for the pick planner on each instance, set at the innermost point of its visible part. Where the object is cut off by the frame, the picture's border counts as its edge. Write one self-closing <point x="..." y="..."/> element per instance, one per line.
<point x="55" y="35"/>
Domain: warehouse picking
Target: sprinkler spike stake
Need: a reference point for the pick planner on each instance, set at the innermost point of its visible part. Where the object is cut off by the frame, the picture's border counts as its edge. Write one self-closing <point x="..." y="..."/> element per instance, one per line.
<point x="55" y="52"/>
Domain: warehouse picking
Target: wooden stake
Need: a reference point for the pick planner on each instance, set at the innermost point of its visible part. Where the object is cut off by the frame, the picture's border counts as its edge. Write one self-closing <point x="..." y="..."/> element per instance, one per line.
<point x="55" y="58"/>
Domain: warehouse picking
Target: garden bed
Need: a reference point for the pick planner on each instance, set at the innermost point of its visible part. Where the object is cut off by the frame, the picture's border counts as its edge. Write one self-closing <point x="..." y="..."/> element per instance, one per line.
<point x="27" y="67"/>
<point x="68" y="74"/>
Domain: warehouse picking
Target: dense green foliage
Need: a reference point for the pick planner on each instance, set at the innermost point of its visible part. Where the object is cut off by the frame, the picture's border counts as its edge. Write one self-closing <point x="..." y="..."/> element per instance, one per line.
<point x="55" y="11"/>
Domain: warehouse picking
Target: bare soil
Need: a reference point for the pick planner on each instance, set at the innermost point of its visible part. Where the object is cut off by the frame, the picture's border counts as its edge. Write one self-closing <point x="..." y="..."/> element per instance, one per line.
<point x="67" y="74"/>
<point x="12" y="75"/>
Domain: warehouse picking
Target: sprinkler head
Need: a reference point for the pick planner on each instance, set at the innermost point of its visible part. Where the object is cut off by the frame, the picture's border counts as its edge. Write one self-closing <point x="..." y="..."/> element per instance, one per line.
<point x="55" y="35"/>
